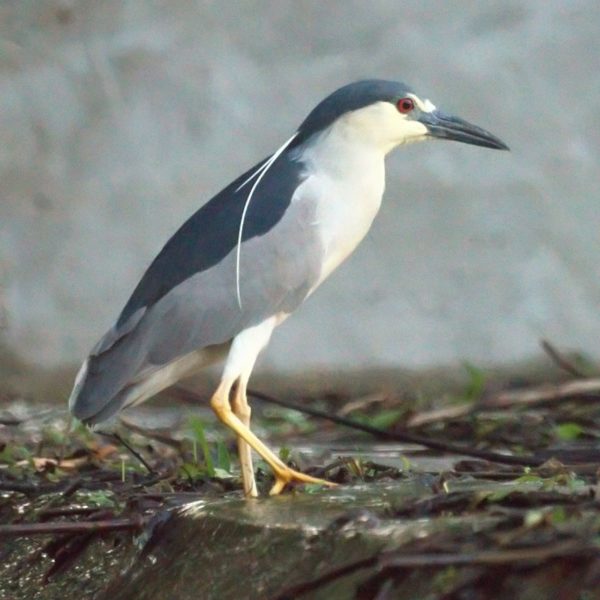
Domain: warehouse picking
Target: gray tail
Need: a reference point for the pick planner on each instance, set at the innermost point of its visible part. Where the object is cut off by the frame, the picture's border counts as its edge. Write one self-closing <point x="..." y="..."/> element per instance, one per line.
<point x="103" y="383"/>
<point x="92" y="401"/>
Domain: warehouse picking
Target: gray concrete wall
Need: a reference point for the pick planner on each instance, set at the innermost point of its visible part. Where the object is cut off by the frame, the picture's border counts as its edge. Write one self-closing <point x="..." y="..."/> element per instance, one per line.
<point x="118" y="119"/>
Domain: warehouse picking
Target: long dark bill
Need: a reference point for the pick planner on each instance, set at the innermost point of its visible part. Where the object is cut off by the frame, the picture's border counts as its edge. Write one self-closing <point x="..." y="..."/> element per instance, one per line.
<point x="448" y="127"/>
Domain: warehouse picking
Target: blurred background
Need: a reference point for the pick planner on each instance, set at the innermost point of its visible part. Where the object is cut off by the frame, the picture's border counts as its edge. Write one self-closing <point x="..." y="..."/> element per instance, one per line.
<point x="119" y="118"/>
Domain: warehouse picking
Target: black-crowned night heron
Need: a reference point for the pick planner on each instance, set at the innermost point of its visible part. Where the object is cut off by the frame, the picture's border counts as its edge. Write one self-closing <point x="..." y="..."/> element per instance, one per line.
<point x="250" y="256"/>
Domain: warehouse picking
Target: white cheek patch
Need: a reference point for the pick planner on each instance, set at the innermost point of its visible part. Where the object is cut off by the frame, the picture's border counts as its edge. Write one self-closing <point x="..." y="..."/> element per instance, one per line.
<point x="428" y="106"/>
<point x="423" y="105"/>
<point x="411" y="131"/>
<point x="382" y="124"/>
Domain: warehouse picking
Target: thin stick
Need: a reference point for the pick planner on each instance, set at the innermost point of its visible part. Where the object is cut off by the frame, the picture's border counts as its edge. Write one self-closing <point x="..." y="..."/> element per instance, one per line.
<point x="399" y="560"/>
<point x="561" y="360"/>
<point x="127" y="446"/>
<point x="27" y="529"/>
<point x="440" y="414"/>
<point x="407" y="437"/>
<point x="588" y="388"/>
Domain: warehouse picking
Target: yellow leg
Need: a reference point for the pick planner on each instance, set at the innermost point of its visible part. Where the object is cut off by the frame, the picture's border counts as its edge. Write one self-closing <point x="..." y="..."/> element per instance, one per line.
<point x="242" y="411"/>
<point x="283" y="474"/>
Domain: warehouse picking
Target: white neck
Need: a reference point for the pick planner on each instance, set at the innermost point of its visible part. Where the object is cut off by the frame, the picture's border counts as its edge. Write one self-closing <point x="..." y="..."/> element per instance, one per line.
<point x="346" y="180"/>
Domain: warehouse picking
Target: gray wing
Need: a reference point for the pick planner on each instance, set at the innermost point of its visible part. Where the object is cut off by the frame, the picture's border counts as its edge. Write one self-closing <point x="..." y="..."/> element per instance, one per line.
<point x="277" y="271"/>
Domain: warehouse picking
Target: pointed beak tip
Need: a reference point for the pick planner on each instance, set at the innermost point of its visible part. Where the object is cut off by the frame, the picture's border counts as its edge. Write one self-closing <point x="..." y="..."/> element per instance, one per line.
<point x="449" y="127"/>
<point x="495" y="144"/>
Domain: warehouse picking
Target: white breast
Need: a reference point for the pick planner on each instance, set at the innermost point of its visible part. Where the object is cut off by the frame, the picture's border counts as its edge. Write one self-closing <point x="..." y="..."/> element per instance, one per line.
<point x="346" y="182"/>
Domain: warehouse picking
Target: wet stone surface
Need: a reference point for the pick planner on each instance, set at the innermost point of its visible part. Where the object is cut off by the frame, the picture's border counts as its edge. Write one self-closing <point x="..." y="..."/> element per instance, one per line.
<point x="255" y="549"/>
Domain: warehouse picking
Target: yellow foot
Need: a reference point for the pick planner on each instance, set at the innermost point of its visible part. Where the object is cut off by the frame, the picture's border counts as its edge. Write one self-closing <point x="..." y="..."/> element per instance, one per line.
<point x="285" y="476"/>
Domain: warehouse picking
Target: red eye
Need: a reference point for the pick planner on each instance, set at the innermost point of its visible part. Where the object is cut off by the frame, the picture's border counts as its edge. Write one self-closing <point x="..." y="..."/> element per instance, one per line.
<point x="405" y="105"/>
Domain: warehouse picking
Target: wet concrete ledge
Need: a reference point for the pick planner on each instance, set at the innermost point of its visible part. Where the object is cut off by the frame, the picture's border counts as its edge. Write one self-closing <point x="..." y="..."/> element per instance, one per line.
<point x="256" y="549"/>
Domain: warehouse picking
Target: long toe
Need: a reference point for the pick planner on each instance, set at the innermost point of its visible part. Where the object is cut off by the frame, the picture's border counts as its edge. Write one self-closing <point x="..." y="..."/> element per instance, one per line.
<point x="286" y="476"/>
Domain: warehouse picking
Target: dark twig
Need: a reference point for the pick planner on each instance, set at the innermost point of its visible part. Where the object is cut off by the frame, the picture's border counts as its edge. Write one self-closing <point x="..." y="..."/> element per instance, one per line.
<point x="404" y="436"/>
<point x="64" y="552"/>
<point x="519" y="556"/>
<point x="72" y="487"/>
<point x="66" y="511"/>
<point x="26" y="488"/>
<point x="398" y="560"/>
<point x="27" y="529"/>
<point x="459" y="503"/>
<point x="561" y="360"/>
<point x="127" y="446"/>
<point x="10" y="421"/>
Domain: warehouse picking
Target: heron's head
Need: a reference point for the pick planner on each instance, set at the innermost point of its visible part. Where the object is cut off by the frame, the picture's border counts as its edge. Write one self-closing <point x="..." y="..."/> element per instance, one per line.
<point x="387" y="114"/>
